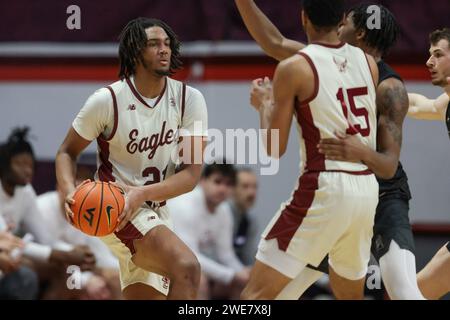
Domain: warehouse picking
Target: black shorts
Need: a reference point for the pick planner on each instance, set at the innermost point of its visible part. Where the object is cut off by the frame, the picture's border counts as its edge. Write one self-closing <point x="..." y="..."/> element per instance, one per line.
<point x="391" y="223"/>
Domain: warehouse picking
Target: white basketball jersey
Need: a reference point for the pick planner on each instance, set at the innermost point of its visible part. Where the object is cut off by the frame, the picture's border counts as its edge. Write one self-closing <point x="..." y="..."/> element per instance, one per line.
<point x="343" y="101"/>
<point x="144" y="139"/>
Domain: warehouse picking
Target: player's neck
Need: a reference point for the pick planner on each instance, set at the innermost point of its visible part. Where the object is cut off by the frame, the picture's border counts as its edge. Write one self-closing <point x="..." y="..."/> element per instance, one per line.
<point x="149" y="85"/>
<point x="8" y="188"/>
<point x="322" y="37"/>
<point x="373" y="52"/>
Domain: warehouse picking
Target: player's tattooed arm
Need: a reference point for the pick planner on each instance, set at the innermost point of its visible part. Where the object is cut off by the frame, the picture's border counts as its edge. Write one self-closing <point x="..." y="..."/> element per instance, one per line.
<point x="392" y="104"/>
<point x="422" y="108"/>
<point x="265" y="33"/>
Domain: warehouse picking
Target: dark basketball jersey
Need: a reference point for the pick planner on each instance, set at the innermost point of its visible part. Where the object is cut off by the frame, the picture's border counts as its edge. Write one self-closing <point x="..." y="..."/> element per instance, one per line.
<point x="399" y="183"/>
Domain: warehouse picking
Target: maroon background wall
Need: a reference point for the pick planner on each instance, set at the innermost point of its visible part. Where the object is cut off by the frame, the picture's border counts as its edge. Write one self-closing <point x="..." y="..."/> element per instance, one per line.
<point x="45" y="20"/>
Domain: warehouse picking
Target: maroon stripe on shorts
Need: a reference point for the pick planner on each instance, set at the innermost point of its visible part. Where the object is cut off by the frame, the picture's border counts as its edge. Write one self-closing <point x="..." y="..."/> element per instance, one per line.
<point x="128" y="234"/>
<point x="293" y="214"/>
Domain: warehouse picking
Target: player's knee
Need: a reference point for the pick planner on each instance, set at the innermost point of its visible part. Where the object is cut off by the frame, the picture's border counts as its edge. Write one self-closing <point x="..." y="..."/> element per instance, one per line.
<point x="258" y="292"/>
<point x="188" y="270"/>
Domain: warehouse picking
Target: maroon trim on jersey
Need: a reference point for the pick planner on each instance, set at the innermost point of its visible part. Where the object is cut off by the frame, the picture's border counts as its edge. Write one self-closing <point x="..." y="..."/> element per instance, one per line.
<point x="116" y="114"/>
<point x="293" y="214"/>
<point x="139" y="97"/>
<point x="128" y="234"/>
<point x="315" y="161"/>
<point x="105" y="169"/>
<point x="316" y="79"/>
<point x="354" y="173"/>
<point x="371" y="71"/>
<point x="183" y="100"/>
<point x="328" y="45"/>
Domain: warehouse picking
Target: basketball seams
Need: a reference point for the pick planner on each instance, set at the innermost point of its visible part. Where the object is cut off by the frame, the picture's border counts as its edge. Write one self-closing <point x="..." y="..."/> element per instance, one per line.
<point x="82" y="203"/>
<point x="112" y="192"/>
<point x="119" y="190"/>
<point x="100" y="211"/>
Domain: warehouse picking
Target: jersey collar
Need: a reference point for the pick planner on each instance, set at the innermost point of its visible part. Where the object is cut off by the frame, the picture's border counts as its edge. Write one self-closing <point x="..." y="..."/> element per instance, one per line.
<point x="139" y="97"/>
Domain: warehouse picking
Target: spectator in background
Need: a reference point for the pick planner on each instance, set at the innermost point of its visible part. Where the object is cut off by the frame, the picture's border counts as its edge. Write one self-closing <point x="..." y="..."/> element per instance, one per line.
<point x="204" y="222"/>
<point x="19" y="210"/>
<point x="99" y="284"/>
<point x="16" y="282"/>
<point x="244" y="227"/>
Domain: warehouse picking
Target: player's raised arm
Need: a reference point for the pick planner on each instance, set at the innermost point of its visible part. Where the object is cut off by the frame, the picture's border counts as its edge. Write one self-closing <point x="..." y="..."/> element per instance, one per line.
<point x="422" y="108"/>
<point x="265" y="33"/>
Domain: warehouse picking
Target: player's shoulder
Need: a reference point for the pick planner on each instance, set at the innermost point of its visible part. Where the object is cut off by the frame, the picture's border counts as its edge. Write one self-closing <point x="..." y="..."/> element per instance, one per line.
<point x="117" y="87"/>
<point x="387" y="72"/>
<point x="296" y="64"/>
<point x="443" y="100"/>
<point x="105" y="95"/>
<point x="178" y="86"/>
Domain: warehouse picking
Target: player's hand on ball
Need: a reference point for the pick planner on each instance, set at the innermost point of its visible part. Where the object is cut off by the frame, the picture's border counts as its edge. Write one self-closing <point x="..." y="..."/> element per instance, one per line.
<point x="69" y="201"/>
<point x="261" y="93"/>
<point x="134" y="198"/>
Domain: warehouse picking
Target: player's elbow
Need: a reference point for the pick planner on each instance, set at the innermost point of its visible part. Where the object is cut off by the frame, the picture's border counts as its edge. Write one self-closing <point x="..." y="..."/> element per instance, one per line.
<point x="388" y="172"/>
<point x="386" y="175"/>
<point x="275" y="152"/>
<point x="195" y="171"/>
<point x="63" y="150"/>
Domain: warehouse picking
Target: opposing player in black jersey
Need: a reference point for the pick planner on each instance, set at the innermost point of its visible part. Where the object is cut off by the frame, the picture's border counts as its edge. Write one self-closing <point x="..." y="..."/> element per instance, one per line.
<point x="393" y="244"/>
<point x="434" y="279"/>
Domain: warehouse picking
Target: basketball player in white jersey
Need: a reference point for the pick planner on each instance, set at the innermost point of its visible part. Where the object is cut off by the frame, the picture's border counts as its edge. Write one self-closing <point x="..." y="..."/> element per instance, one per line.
<point x="136" y="122"/>
<point x="434" y="279"/>
<point x="330" y="87"/>
<point x="393" y="242"/>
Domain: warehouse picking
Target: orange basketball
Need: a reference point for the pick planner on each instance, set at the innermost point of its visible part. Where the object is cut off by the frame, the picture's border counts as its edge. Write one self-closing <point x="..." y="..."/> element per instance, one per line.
<point x="97" y="208"/>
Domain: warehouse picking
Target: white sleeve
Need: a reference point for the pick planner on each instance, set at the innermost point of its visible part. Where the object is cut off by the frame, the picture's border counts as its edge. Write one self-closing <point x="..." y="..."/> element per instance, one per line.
<point x="185" y="228"/>
<point x="103" y="256"/>
<point x="96" y="116"/>
<point x="224" y="238"/>
<point x="195" y="118"/>
<point x="34" y="223"/>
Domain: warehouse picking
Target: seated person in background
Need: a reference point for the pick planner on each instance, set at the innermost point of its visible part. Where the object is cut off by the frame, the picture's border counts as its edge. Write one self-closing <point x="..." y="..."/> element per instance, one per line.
<point x="16" y="282"/>
<point x="102" y="282"/>
<point x="19" y="209"/>
<point x="245" y="233"/>
<point x="204" y="223"/>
